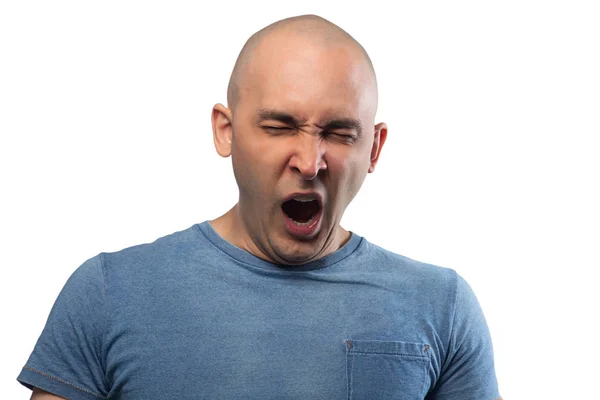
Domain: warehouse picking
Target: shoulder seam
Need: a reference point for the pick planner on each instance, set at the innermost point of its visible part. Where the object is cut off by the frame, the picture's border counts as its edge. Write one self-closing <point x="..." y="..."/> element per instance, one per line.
<point x="104" y="327"/>
<point x="453" y="318"/>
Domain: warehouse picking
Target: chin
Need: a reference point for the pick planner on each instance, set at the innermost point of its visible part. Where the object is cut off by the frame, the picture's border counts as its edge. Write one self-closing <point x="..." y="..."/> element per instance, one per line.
<point x="293" y="251"/>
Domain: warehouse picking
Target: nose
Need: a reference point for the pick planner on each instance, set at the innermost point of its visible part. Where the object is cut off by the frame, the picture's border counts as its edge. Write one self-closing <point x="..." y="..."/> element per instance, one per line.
<point x="308" y="156"/>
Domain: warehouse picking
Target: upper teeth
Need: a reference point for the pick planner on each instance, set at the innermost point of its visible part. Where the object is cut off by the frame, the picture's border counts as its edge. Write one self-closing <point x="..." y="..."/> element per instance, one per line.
<point x="305" y="198"/>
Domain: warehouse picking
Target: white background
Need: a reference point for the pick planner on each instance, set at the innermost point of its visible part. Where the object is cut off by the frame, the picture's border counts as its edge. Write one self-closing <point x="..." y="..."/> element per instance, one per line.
<point x="490" y="167"/>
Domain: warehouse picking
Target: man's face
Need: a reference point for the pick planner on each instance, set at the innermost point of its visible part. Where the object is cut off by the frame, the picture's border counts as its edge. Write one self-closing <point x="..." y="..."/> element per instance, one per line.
<point x="302" y="128"/>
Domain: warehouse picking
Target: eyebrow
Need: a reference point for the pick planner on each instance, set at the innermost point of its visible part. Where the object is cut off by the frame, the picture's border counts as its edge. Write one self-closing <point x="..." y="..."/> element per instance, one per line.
<point x="265" y="114"/>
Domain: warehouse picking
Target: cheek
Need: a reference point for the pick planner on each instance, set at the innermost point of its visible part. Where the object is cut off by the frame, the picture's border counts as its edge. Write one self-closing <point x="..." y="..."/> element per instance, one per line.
<point x="348" y="173"/>
<point x="244" y="167"/>
<point x="253" y="167"/>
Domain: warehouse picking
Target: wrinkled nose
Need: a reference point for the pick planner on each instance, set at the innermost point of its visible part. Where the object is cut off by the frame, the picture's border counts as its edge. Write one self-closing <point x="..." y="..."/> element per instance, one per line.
<point x="308" y="156"/>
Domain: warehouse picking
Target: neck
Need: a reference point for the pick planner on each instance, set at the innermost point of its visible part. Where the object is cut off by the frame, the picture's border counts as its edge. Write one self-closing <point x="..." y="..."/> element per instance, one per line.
<point x="231" y="227"/>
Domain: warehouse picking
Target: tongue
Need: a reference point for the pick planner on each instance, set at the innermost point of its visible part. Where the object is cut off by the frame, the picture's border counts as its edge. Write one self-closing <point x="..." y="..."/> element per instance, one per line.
<point x="300" y="211"/>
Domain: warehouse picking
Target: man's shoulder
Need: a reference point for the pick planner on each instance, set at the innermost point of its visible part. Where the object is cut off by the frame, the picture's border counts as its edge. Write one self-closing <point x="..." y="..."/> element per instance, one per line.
<point x="402" y="267"/>
<point x="177" y="244"/>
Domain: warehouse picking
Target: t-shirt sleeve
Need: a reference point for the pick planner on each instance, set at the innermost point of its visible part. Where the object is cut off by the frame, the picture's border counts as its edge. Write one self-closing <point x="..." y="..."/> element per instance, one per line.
<point x="468" y="371"/>
<point x="67" y="359"/>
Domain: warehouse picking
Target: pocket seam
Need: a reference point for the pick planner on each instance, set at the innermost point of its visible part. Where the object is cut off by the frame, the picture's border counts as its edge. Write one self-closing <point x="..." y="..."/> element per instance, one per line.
<point x="391" y="354"/>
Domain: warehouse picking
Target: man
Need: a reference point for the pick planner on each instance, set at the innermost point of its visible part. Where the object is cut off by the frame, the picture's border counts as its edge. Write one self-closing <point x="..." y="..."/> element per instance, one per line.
<point x="274" y="299"/>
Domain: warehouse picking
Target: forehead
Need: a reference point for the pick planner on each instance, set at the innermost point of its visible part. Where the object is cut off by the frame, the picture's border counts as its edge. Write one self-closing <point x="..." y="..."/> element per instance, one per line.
<point x="309" y="79"/>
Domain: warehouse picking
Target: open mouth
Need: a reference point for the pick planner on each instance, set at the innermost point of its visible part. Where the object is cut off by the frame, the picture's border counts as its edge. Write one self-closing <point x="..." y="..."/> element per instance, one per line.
<point x="302" y="214"/>
<point x="301" y="211"/>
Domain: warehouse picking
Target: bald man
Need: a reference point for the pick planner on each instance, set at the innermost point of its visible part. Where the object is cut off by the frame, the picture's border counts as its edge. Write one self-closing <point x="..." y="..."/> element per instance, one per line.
<point x="274" y="299"/>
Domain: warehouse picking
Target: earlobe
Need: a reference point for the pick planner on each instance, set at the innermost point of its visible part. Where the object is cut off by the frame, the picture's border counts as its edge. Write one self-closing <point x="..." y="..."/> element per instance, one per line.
<point x="378" y="141"/>
<point x="222" y="129"/>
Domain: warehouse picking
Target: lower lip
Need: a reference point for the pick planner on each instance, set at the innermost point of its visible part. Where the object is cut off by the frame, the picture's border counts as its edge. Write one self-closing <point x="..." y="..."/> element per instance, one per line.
<point x="305" y="230"/>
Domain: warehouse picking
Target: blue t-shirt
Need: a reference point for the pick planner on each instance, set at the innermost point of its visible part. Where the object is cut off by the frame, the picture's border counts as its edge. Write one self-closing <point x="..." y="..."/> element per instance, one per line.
<point x="191" y="316"/>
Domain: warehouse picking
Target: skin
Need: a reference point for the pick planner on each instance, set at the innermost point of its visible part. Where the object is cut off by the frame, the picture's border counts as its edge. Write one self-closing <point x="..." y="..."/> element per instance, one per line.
<point x="314" y="72"/>
<point x="39" y="394"/>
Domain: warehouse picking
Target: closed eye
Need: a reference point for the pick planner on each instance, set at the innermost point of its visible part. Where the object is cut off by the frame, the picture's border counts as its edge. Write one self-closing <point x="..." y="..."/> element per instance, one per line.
<point x="341" y="136"/>
<point x="275" y="128"/>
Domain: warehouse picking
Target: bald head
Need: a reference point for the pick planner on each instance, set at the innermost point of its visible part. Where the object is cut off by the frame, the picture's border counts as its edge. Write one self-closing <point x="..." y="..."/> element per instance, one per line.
<point x="316" y="31"/>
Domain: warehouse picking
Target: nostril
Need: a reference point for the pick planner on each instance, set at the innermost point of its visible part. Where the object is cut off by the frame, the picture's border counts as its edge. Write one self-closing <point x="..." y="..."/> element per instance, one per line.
<point x="309" y="170"/>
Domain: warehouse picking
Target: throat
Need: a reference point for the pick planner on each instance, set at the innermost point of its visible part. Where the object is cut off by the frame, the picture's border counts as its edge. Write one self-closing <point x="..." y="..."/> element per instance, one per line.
<point x="300" y="211"/>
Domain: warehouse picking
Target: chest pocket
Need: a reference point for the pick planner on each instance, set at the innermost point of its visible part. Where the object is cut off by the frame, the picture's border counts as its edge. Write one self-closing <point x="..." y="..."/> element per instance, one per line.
<point x="386" y="369"/>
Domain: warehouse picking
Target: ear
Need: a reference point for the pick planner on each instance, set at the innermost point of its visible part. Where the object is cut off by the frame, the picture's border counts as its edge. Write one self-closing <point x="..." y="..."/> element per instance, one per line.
<point x="378" y="142"/>
<point x="222" y="120"/>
